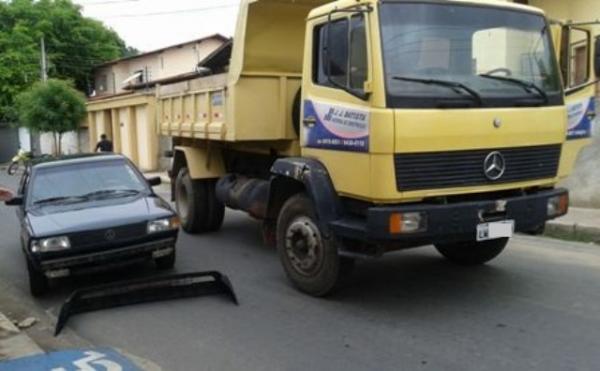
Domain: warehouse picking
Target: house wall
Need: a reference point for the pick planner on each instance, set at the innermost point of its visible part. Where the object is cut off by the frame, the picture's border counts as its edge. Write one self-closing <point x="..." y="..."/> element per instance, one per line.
<point x="167" y="63"/>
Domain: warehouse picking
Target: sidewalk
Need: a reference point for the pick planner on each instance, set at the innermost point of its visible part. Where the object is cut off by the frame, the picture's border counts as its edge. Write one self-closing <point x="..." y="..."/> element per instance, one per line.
<point x="14" y="343"/>
<point x="579" y="224"/>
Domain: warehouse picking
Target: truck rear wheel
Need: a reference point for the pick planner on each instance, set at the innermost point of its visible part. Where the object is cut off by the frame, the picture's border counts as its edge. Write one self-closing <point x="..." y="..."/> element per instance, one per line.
<point x="472" y="252"/>
<point x="309" y="259"/>
<point x="196" y="203"/>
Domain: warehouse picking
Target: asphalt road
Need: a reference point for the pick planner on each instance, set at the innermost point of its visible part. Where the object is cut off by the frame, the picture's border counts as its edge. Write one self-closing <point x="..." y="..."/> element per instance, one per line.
<point x="536" y="307"/>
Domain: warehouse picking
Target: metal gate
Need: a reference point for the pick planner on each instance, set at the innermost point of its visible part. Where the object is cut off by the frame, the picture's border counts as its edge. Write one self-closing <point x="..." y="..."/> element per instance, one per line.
<point x="9" y="142"/>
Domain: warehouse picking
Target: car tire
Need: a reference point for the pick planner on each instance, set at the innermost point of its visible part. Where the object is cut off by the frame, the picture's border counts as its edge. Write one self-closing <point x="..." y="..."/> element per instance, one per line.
<point x="197" y="205"/>
<point x="310" y="260"/>
<point x="166" y="262"/>
<point x="472" y="252"/>
<point x="38" y="282"/>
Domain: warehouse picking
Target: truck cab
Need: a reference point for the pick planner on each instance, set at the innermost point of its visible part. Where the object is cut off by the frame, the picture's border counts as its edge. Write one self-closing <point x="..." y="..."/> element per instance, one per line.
<point x="356" y="128"/>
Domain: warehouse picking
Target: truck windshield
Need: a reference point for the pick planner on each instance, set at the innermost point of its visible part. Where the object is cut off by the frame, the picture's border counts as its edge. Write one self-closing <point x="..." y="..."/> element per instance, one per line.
<point x="469" y="45"/>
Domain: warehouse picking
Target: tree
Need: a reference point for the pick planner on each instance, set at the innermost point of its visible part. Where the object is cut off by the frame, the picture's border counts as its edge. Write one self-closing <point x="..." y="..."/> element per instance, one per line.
<point x="74" y="45"/>
<point x="53" y="107"/>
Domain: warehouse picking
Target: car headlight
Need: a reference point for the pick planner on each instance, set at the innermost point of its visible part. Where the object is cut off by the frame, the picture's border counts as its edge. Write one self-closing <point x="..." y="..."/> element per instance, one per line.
<point x="52" y="244"/>
<point x="163" y="225"/>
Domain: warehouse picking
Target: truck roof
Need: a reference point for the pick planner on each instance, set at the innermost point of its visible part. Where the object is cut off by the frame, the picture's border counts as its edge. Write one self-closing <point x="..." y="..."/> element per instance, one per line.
<point x="327" y="6"/>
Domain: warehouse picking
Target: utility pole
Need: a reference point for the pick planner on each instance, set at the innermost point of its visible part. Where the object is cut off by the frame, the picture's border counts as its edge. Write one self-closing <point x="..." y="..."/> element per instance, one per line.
<point x="44" y="61"/>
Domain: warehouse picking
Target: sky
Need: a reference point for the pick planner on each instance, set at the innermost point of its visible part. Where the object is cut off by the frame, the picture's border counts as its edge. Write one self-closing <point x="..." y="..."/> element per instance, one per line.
<point x="152" y="24"/>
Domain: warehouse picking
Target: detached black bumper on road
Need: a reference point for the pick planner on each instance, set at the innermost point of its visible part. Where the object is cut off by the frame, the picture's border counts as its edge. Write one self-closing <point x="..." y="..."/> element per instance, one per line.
<point x="453" y="222"/>
<point x="106" y="260"/>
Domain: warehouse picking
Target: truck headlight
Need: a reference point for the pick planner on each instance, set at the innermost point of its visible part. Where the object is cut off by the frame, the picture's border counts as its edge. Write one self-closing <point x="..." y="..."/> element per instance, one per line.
<point x="558" y="205"/>
<point x="163" y="225"/>
<point x="52" y="244"/>
<point x="401" y="223"/>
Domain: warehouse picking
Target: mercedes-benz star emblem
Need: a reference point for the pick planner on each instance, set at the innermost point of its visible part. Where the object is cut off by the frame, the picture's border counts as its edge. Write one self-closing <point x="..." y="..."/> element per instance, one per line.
<point x="110" y="235"/>
<point x="494" y="166"/>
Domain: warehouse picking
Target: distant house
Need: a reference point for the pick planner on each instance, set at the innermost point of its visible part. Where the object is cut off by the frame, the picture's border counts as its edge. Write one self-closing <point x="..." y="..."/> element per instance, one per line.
<point x="121" y="75"/>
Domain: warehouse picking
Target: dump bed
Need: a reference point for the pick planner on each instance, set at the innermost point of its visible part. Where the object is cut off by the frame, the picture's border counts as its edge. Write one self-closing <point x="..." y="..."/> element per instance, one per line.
<point x="253" y="100"/>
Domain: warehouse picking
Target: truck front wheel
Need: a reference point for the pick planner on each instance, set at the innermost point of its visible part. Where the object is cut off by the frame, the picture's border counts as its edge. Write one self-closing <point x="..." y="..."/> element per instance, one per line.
<point x="309" y="259"/>
<point x="197" y="205"/>
<point x="472" y="252"/>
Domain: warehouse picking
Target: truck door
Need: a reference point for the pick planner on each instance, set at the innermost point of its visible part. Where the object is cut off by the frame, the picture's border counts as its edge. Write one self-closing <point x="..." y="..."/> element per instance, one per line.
<point x="336" y="111"/>
<point x="580" y="67"/>
<point x="579" y="75"/>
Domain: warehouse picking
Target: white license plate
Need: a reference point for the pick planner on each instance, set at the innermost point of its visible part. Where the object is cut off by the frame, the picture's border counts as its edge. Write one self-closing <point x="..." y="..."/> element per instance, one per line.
<point x="495" y="230"/>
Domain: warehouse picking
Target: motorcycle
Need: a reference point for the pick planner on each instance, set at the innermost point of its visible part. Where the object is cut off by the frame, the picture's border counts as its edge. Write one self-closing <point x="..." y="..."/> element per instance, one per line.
<point x="21" y="158"/>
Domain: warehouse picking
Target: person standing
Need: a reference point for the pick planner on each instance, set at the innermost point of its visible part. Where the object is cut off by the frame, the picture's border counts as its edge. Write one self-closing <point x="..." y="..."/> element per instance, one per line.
<point x="104" y="145"/>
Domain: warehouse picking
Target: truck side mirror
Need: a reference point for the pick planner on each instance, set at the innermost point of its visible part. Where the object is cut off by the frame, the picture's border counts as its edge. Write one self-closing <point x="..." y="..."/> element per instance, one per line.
<point x="597" y="57"/>
<point x="154" y="181"/>
<point x="15" y="201"/>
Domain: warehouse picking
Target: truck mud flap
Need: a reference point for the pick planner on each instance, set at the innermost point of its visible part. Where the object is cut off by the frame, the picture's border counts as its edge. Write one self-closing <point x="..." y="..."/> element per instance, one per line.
<point x="143" y="291"/>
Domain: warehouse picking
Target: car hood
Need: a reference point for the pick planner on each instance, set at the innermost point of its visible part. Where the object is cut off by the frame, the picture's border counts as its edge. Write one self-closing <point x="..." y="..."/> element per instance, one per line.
<point x="56" y="220"/>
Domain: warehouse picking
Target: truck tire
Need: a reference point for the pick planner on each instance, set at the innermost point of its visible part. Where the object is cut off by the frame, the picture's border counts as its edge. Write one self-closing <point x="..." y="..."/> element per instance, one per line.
<point x="38" y="282"/>
<point x="472" y="252"/>
<point x="310" y="260"/>
<point x="197" y="205"/>
<point x="296" y="112"/>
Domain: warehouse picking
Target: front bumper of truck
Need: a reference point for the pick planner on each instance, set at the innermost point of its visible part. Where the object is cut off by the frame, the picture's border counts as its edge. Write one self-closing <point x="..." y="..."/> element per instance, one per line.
<point x="424" y="223"/>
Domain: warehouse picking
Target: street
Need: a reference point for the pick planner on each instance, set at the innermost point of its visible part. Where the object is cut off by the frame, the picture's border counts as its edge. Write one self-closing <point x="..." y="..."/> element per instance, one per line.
<point x="536" y="307"/>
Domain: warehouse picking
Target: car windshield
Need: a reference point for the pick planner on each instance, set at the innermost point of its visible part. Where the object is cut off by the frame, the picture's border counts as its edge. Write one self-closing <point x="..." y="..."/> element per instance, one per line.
<point x="505" y="56"/>
<point x="80" y="182"/>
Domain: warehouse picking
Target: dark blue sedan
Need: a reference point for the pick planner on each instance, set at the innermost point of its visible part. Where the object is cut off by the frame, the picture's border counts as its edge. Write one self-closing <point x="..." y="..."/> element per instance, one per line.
<point x="86" y="214"/>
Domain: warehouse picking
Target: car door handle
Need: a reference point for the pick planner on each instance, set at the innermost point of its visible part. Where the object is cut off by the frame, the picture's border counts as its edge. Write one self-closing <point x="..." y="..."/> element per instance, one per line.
<point x="309" y="121"/>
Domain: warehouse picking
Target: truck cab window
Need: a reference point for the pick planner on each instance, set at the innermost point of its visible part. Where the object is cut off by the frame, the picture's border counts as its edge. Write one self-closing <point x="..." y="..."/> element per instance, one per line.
<point x="576" y="56"/>
<point x="340" y="53"/>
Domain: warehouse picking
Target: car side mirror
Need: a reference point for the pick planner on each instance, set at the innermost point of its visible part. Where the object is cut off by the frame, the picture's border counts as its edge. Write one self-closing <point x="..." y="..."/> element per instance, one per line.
<point x="154" y="181"/>
<point x="15" y="201"/>
<point x="597" y="58"/>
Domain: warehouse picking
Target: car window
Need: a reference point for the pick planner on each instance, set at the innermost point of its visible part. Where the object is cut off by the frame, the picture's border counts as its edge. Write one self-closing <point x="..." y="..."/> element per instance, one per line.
<point x="83" y="179"/>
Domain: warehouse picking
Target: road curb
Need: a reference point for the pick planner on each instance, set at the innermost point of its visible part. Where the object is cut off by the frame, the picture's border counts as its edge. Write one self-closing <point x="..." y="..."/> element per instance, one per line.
<point x="14" y="343"/>
<point x="573" y="231"/>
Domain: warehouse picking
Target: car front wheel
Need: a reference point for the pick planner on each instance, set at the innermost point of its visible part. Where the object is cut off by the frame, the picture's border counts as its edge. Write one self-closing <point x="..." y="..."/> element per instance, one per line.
<point x="472" y="252"/>
<point x="38" y="282"/>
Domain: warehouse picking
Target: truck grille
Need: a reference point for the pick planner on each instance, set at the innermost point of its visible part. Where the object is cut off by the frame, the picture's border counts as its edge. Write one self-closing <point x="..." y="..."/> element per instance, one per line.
<point x="431" y="170"/>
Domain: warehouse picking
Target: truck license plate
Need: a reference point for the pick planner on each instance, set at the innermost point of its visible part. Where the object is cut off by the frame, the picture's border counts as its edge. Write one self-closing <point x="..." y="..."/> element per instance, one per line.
<point x="495" y="230"/>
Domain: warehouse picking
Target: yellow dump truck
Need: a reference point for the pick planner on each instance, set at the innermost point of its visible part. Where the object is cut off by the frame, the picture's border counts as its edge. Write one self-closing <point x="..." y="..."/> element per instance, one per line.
<point x="358" y="127"/>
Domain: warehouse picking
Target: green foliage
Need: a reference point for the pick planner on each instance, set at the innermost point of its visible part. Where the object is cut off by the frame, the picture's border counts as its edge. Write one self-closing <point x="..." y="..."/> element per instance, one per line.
<point x="74" y="45"/>
<point x="52" y="107"/>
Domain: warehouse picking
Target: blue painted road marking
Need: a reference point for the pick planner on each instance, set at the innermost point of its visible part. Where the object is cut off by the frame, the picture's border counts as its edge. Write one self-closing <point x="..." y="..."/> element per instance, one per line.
<point x="102" y="359"/>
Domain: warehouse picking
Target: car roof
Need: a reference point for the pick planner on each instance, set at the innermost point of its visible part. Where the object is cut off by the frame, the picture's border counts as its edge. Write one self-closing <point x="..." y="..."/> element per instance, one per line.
<point x="56" y="161"/>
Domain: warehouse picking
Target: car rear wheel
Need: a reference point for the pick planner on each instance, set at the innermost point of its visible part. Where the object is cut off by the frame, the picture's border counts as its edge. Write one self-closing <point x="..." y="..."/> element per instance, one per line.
<point x="472" y="252"/>
<point x="197" y="205"/>
<point x="309" y="258"/>
<point x="38" y="282"/>
<point x="166" y="262"/>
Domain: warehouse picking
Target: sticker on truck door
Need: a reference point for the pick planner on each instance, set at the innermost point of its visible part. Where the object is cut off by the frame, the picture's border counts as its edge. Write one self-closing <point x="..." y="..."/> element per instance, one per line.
<point x="335" y="127"/>
<point x="581" y="118"/>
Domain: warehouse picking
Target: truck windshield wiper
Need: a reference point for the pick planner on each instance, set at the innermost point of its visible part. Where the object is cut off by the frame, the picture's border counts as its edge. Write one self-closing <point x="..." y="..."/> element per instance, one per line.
<point x="454" y="85"/>
<point x="527" y="85"/>
<point x="64" y="199"/>
<point x="112" y="192"/>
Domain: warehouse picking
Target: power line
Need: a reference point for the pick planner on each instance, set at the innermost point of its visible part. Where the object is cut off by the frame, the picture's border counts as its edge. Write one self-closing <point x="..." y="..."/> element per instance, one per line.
<point x="109" y="2"/>
<point x="170" y="12"/>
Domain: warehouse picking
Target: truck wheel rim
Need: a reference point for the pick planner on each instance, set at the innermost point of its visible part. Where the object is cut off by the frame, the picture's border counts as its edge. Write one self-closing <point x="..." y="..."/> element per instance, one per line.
<point x="304" y="246"/>
<point x="182" y="201"/>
